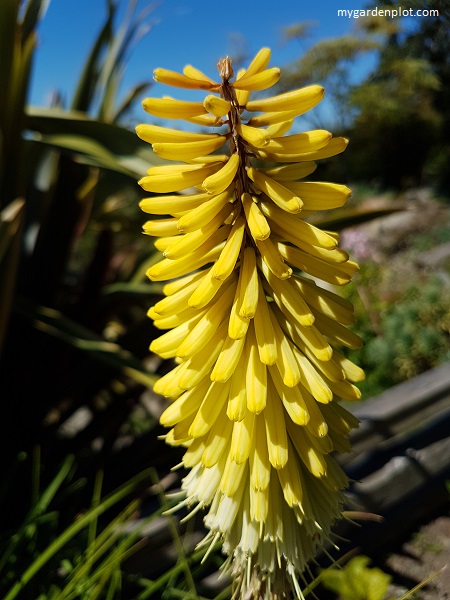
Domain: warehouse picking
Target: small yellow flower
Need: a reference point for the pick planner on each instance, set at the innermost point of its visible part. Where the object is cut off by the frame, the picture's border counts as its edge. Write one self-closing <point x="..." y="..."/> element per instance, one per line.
<point x="254" y="396"/>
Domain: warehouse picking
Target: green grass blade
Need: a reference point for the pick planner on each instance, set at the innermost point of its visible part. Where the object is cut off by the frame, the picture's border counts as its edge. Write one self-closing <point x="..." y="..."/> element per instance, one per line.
<point x="75" y="528"/>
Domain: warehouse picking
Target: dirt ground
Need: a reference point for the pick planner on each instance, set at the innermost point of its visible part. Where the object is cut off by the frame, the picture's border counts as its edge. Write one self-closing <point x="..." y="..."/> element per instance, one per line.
<point x="425" y="555"/>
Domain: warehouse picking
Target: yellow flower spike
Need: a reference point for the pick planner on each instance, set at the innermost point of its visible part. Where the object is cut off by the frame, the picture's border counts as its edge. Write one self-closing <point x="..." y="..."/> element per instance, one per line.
<point x="187" y="150"/>
<point x="336" y="332"/>
<point x="254" y="391"/>
<point x="217" y="106"/>
<point x="221" y="179"/>
<point x="167" y="385"/>
<point x="259" y="81"/>
<point x="181" y="81"/>
<point x="345" y="390"/>
<point x="282" y="196"/>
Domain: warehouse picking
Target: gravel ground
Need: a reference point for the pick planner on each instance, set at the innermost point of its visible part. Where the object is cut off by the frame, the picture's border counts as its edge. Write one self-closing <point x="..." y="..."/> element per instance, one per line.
<point x="425" y="555"/>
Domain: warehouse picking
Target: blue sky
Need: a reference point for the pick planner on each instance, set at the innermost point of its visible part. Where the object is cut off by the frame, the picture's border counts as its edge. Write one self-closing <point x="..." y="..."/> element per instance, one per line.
<point x="197" y="32"/>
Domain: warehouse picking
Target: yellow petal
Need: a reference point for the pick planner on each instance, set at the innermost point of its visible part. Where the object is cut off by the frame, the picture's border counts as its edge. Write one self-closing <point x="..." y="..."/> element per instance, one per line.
<point x="208" y="324"/>
<point x="259" y="458"/>
<point x="187" y="150"/>
<point x="187" y="243"/>
<point x="300" y="100"/>
<point x="194" y="73"/>
<point x="256" y="137"/>
<point x="178" y="80"/>
<point x="185" y="405"/>
<point x="249" y="284"/>
<point x="277" y="443"/>
<point x="210" y="408"/>
<point x="228" y="359"/>
<point x="265" y="336"/>
<point x="256" y="376"/>
<point x="242" y="438"/>
<point x="221" y="179"/>
<point x="218" y="440"/>
<point x="156" y="133"/>
<point x="217" y="106"/>
<point x="259" y="81"/>
<point x="207" y="210"/>
<point x="229" y="255"/>
<point x="257" y="222"/>
<point x="259" y="63"/>
<point x="282" y="196"/>
<point x="167" y="179"/>
<point x="169" y="108"/>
